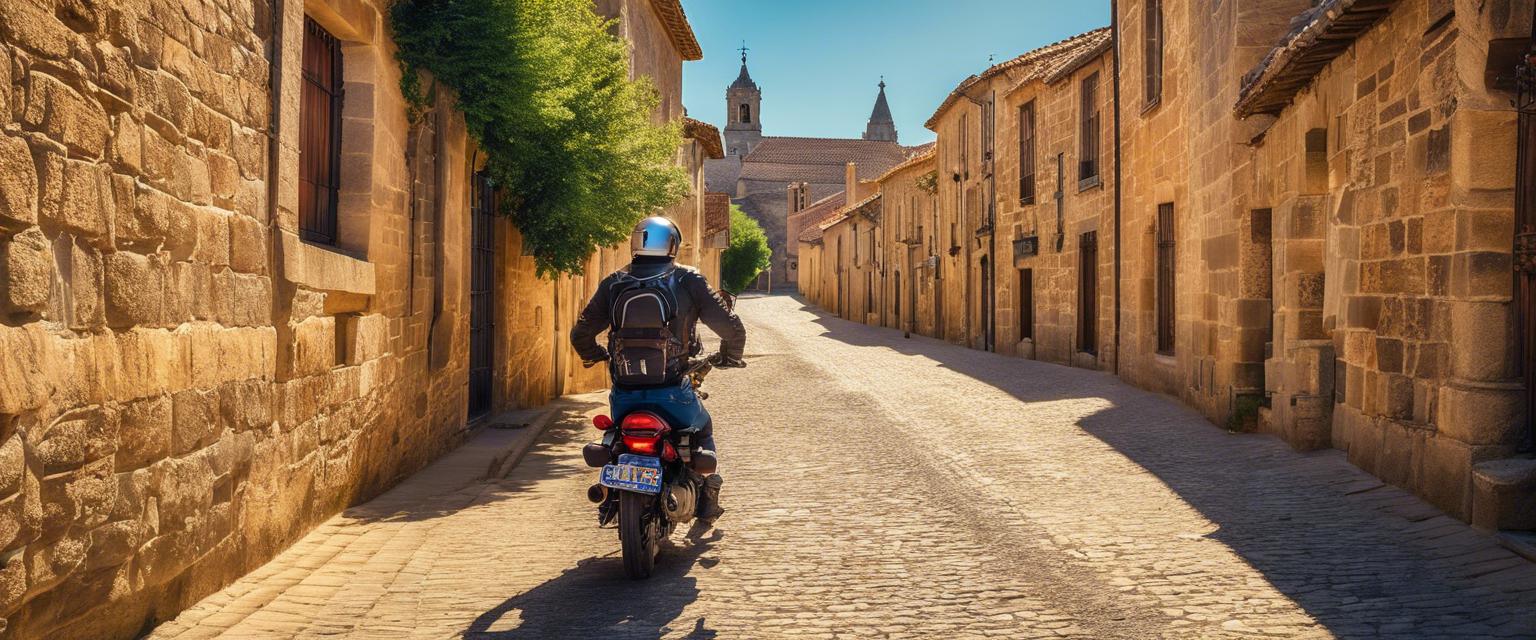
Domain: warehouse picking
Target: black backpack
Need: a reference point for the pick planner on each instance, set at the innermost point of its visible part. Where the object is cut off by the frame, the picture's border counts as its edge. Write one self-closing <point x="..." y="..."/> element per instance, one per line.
<point x="640" y="342"/>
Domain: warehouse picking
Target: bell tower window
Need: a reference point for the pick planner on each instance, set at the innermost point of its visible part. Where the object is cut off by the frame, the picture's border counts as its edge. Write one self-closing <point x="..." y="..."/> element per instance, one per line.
<point x="745" y="112"/>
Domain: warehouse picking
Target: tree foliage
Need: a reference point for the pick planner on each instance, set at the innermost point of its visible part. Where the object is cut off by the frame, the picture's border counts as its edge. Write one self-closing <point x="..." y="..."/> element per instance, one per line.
<point x="545" y="90"/>
<point x="748" y="254"/>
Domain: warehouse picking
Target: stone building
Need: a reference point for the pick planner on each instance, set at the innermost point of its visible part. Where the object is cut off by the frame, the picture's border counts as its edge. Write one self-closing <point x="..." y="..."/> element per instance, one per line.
<point x="758" y="170"/>
<point x="233" y="301"/>
<point x="1054" y="181"/>
<point x="1341" y="247"/>
<point x="908" y="297"/>
<point x="1303" y="221"/>
<point x="990" y="237"/>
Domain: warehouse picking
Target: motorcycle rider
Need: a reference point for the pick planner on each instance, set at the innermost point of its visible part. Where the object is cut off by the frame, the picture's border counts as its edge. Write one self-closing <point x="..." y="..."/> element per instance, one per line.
<point x="653" y="245"/>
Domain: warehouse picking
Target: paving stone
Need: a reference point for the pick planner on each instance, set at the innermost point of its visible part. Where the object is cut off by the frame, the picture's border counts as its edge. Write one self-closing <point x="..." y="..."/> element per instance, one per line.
<point x="880" y="487"/>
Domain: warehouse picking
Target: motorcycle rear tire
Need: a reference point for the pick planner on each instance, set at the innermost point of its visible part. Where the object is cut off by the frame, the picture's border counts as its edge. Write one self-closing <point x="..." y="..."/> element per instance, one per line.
<point x="639" y="534"/>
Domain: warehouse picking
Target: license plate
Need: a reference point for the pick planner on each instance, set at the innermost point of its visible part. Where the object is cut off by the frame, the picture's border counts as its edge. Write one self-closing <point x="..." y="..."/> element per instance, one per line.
<point x="633" y="473"/>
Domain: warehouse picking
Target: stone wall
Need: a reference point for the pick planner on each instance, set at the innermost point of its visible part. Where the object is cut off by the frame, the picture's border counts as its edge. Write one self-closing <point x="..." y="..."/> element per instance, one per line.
<point x="959" y="175"/>
<point x="907" y="217"/>
<point x="1085" y="207"/>
<point x="1393" y="175"/>
<point x="1341" y="261"/>
<point x="1185" y="148"/>
<point x="188" y="386"/>
<point x="137" y="392"/>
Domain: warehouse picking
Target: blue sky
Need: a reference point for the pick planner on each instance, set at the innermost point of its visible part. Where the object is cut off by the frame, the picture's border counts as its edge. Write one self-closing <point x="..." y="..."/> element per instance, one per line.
<point x="818" y="61"/>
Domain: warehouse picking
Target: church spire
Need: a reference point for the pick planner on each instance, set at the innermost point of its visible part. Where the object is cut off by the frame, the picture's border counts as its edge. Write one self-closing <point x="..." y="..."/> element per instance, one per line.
<point x="881" y="125"/>
<point x="744" y="79"/>
<point x="744" y="127"/>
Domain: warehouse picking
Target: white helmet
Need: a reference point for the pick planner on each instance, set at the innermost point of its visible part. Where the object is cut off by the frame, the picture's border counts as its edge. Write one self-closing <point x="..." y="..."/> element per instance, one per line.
<point x="655" y="236"/>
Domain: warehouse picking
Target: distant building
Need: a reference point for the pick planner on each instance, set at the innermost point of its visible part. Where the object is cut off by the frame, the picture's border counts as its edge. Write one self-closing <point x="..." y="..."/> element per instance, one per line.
<point x="759" y="170"/>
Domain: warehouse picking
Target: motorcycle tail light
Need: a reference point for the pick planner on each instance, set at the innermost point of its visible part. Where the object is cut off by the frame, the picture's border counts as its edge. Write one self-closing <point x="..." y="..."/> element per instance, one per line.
<point x="644" y="421"/>
<point x="602" y="422"/>
<point x="642" y="444"/>
<point x="668" y="452"/>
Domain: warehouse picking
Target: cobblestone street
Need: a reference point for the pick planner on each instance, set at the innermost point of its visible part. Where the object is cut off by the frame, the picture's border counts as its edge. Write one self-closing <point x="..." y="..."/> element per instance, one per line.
<point x="887" y="487"/>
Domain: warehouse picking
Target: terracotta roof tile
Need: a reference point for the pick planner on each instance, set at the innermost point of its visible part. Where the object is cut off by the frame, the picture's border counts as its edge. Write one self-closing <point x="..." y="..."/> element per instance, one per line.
<point x="1316" y="37"/>
<point x="868" y="207"/>
<point x="922" y="154"/>
<point x="717" y="212"/>
<point x="678" y="30"/>
<point x="1038" y="63"/>
<point x="707" y="135"/>
<point x="818" y="160"/>
<point x="819" y="212"/>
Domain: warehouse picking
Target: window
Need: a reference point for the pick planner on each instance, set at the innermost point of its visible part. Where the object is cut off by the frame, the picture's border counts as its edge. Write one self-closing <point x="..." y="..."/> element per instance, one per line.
<point x="1088" y="158"/>
<point x="965" y="151"/>
<point x="869" y="294"/>
<point x="745" y="111"/>
<point x="1165" y="271"/>
<point x="1026" y="304"/>
<point x="1316" y="178"/>
<point x="1088" y="292"/>
<point x="914" y="230"/>
<point x="1027" y="153"/>
<point x="988" y="128"/>
<point x="319" y="134"/>
<point x="1152" y="51"/>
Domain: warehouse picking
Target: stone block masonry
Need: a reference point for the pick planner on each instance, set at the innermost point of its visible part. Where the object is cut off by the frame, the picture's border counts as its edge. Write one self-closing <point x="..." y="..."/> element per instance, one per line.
<point x="1308" y="228"/>
<point x="187" y="385"/>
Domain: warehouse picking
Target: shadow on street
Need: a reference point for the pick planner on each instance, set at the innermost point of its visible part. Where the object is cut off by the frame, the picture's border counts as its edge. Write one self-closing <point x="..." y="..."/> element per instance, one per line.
<point x="1362" y="558"/>
<point x="594" y="599"/>
<point x="444" y="483"/>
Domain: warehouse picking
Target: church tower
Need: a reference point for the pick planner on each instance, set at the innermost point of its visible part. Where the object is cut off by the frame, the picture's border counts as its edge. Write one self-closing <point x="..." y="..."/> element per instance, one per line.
<point x="744" y="127"/>
<point x="881" y="126"/>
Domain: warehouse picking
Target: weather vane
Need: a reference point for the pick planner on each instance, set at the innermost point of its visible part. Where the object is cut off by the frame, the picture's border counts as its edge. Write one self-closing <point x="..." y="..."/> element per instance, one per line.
<point x="743" y="51"/>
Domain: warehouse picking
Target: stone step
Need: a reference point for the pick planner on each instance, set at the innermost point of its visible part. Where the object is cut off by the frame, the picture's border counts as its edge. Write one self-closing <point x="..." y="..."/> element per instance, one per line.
<point x="1504" y="494"/>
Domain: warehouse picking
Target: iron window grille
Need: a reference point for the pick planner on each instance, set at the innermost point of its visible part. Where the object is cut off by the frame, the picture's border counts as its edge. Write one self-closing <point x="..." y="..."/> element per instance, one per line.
<point x="1165" y="273"/>
<point x="319" y="134"/>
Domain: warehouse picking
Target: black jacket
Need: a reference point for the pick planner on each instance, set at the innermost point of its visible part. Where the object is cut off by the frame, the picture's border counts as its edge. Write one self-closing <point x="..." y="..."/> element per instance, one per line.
<point x="696" y="301"/>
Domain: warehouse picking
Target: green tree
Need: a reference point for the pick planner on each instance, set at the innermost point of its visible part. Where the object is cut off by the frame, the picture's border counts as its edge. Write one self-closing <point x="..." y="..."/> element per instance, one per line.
<point x="748" y="254"/>
<point x="545" y="90"/>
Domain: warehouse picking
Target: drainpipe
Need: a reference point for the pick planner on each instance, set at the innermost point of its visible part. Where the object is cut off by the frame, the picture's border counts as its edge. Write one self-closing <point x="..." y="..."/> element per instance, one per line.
<point x="274" y="145"/>
<point x="1114" y="35"/>
<point x="991" y="292"/>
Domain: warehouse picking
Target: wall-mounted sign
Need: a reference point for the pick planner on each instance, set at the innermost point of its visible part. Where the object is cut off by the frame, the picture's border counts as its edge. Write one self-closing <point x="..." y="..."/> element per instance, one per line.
<point x="1026" y="246"/>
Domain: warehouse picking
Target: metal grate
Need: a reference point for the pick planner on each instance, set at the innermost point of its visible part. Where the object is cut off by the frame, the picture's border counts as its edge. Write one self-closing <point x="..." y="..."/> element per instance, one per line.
<point x="1088" y="293"/>
<point x="319" y="134"/>
<point x="1088" y="162"/>
<point x="1027" y="153"/>
<point x="482" y="346"/>
<point x="1026" y="304"/>
<point x="1152" y="52"/>
<point x="1165" y="273"/>
<point x="1525" y="232"/>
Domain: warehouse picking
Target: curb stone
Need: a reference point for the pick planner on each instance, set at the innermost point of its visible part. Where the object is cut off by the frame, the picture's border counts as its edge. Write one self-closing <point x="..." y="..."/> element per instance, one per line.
<point x="524" y="426"/>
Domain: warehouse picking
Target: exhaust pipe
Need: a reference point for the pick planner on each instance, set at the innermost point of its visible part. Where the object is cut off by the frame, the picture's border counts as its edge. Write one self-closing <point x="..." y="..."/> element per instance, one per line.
<point x="681" y="502"/>
<point x="597" y="493"/>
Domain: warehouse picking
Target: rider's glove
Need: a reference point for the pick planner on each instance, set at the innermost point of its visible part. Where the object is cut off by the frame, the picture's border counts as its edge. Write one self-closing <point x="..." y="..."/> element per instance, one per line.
<point x="726" y="362"/>
<point x="590" y="363"/>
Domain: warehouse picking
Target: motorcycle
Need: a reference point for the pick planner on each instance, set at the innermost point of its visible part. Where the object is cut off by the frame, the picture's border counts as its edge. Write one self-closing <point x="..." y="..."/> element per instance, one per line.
<point x="652" y="476"/>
